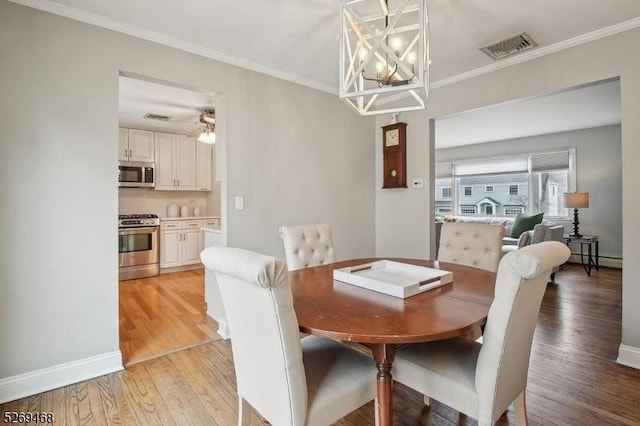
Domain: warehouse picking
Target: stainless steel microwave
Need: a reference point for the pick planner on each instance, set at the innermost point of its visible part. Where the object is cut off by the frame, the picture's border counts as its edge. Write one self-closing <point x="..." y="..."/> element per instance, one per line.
<point x="136" y="175"/>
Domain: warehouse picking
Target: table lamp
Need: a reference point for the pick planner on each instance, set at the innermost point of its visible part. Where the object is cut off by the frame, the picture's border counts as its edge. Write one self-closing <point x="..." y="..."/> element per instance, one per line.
<point x="575" y="201"/>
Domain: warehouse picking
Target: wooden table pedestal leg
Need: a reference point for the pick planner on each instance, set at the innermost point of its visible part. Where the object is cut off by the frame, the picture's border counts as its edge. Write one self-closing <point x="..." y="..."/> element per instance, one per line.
<point x="383" y="355"/>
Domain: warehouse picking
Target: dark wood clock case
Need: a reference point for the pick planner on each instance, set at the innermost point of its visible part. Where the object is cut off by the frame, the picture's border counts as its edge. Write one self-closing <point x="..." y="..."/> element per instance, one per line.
<point x="394" y="154"/>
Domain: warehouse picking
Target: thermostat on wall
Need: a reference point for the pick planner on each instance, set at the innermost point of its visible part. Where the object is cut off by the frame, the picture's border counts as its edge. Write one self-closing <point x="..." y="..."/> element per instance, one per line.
<point x="418" y="183"/>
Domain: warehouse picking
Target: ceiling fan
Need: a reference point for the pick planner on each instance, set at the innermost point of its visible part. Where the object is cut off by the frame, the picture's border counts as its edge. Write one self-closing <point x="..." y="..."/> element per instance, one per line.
<point x="206" y="132"/>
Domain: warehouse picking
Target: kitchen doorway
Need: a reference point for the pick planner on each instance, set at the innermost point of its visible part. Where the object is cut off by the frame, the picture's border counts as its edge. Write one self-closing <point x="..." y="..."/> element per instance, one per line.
<point x="165" y="311"/>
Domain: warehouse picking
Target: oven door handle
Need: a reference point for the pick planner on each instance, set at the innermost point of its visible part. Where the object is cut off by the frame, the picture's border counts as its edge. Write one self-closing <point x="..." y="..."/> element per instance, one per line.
<point x="144" y="230"/>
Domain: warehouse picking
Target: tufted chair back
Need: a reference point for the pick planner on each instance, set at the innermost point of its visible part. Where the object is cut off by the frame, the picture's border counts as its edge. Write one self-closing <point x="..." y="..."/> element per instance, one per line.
<point x="471" y="244"/>
<point x="307" y="245"/>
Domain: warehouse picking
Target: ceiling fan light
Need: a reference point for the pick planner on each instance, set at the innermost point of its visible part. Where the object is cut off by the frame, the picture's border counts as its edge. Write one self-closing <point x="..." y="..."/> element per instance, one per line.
<point x="207" y="136"/>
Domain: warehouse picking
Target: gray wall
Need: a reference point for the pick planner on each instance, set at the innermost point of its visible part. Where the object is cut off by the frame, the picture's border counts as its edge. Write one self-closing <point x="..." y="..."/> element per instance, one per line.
<point x="617" y="56"/>
<point x="598" y="171"/>
<point x="296" y="155"/>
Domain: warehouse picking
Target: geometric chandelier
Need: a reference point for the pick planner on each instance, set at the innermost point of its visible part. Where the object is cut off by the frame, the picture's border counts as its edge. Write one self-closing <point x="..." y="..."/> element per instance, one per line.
<point x="384" y="55"/>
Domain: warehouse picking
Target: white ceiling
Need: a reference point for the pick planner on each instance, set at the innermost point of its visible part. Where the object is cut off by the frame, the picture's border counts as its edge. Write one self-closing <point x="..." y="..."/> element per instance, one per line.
<point x="183" y="106"/>
<point x="298" y="40"/>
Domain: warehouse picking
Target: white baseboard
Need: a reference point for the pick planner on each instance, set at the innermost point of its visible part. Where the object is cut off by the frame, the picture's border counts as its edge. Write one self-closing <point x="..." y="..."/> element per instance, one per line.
<point x="223" y="329"/>
<point x="34" y="382"/>
<point x="629" y="356"/>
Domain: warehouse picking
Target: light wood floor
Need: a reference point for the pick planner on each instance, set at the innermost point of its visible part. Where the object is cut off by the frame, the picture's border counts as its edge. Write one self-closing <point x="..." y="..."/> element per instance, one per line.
<point x="573" y="379"/>
<point x="163" y="314"/>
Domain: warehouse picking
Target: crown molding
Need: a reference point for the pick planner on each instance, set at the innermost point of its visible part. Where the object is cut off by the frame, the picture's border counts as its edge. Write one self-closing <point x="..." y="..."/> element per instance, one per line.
<point x="539" y="52"/>
<point x="135" y="31"/>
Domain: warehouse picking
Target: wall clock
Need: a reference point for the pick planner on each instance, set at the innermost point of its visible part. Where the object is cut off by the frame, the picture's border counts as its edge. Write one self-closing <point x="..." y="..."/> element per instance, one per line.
<point x="394" y="155"/>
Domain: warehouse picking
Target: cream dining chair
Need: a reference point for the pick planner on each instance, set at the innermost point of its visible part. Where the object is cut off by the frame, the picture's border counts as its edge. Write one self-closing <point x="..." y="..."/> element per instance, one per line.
<point x="288" y="380"/>
<point x="471" y="244"/>
<point x="481" y="380"/>
<point x="307" y="245"/>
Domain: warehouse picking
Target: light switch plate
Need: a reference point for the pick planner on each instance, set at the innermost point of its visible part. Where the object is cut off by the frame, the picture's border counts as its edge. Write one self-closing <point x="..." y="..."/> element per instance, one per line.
<point x="239" y="203"/>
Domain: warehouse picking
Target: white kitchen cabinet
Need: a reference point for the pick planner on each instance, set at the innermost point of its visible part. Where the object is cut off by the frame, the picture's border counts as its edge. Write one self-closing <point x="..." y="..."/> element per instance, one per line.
<point x="170" y="249"/>
<point x="181" y="243"/>
<point x="136" y="145"/>
<point x="191" y="246"/>
<point x="211" y="223"/>
<point x="175" y="162"/>
<point x="204" y="160"/>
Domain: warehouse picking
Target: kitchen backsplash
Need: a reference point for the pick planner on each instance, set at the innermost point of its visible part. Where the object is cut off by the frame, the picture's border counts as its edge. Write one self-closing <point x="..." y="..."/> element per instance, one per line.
<point x="137" y="200"/>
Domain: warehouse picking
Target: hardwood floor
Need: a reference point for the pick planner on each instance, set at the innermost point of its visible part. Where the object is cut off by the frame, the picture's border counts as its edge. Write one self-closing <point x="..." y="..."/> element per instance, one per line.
<point x="163" y="314"/>
<point x="573" y="379"/>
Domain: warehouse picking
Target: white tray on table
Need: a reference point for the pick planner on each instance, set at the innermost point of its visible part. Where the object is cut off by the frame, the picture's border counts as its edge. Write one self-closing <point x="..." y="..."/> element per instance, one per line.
<point x="393" y="278"/>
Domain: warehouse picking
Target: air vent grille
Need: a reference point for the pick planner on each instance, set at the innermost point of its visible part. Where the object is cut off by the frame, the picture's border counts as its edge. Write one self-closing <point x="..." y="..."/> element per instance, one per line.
<point x="150" y="116"/>
<point x="509" y="46"/>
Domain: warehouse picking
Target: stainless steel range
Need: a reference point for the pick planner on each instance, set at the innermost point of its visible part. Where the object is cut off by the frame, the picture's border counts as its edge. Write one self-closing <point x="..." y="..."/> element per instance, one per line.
<point x="138" y="246"/>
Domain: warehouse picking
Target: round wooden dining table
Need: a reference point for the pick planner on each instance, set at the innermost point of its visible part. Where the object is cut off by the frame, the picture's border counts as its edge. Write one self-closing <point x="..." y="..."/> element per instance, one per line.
<point x="340" y="311"/>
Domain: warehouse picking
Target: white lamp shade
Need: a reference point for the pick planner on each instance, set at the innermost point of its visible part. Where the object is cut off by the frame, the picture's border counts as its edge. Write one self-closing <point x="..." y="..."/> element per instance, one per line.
<point x="576" y="200"/>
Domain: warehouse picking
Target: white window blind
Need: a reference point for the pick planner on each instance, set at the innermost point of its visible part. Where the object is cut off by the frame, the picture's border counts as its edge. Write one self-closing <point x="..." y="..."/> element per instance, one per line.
<point x="546" y="161"/>
<point x="515" y="164"/>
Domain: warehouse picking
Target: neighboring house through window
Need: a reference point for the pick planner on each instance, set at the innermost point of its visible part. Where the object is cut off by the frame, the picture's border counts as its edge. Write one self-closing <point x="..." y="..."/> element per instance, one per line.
<point x="508" y="185"/>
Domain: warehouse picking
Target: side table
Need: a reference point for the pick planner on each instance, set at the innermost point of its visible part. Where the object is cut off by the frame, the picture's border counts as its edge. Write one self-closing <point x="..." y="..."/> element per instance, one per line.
<point x="591" y="241"/>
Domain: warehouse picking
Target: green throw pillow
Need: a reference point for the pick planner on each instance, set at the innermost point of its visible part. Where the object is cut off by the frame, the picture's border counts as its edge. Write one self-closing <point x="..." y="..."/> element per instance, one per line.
<point x="525" y="223"/>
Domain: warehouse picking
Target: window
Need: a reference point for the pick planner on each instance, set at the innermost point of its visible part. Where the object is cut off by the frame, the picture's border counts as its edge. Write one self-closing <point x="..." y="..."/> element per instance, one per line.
<point x="443" y="194"/>
<point x="552" y="174"/>
<point x="493" y="205"/>
<point x="512" y="210"/>
<point x="521" y="183"/>
<point x="468" y="209"/>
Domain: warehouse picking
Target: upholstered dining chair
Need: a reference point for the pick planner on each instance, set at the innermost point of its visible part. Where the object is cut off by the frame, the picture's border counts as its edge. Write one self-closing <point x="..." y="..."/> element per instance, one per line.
<point x="288" y="380"/>
<point x="481" y="380"/>
<point x="307" y="245"/>
<point x="471" y="244"/>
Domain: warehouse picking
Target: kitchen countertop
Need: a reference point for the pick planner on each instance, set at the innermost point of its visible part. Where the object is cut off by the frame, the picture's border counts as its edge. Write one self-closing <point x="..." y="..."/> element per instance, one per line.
<point x="189" y="218"/>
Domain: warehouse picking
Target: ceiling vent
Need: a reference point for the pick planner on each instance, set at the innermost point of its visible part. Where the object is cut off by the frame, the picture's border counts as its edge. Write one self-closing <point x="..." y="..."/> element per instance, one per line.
<point x="509" y="46"/>
<point x="157" y="117"/>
